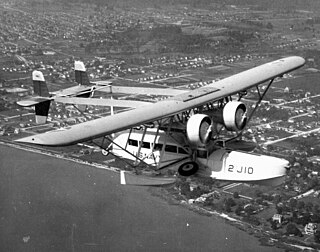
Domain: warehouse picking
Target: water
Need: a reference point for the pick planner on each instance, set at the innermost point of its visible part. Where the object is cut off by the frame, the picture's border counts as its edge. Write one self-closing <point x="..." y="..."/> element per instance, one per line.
<point x="50" y="204"/>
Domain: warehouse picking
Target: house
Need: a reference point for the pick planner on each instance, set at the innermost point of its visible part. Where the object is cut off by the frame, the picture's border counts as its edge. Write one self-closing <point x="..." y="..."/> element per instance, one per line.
<point x="277" y="218"/>
<point x="310" y="228"/>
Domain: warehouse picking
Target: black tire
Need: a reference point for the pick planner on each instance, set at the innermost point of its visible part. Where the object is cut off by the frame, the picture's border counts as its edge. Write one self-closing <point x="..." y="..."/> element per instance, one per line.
<point x="188" y="169"/>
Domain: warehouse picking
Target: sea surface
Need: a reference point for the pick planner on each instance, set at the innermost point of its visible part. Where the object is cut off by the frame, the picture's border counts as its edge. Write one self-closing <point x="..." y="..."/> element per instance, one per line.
<point x="51" y="204"/>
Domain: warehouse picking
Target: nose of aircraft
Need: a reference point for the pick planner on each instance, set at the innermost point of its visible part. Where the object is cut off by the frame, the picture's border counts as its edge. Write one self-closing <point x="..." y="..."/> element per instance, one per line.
<point x="287" y="165"/>
<point x="280" y="167"/>
<point x="283" y="166"/>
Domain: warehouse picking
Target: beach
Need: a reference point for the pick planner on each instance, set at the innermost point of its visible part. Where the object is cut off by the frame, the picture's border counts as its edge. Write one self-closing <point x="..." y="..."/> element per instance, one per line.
<point x="52" y="204"/>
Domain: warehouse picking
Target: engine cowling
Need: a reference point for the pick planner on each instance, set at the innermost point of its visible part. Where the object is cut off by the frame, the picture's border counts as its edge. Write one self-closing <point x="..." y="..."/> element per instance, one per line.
<point x="233" y="116"/>
<point x="199" y="129"/>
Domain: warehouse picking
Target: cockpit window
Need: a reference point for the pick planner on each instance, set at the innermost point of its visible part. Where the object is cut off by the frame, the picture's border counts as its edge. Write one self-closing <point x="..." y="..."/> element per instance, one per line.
<point x="182" y="151"/>
<point x="171" y="148"/>
<point x="133" y="142"/>
<point x="158" y="146"/>
<point x="145" y="145"/>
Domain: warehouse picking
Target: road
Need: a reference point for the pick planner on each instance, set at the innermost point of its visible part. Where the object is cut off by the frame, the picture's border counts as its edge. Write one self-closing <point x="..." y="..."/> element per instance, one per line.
<point x="292" y="136"/>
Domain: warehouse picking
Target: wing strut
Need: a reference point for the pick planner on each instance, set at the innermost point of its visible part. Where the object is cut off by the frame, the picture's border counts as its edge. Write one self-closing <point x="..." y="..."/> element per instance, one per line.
<point x="165" y="142"/>
<point x="154" y="144"/>
<point x="140" y="145"/>
<point x="81" y="112"/>
<point x="261" y="96"/>
<point x="110" y="152"/>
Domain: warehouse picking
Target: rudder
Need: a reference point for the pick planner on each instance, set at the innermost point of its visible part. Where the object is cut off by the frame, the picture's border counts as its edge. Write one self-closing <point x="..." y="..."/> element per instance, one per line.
<point x="40" y="89"/>
<point x="81" y="75"/>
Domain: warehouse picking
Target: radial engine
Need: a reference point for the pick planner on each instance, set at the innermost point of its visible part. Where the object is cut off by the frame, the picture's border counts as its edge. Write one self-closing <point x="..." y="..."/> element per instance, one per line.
<point x="201" y="127"/>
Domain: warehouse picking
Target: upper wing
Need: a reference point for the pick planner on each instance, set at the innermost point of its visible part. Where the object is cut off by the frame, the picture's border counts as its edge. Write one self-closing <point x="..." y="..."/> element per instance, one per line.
<point x="174" y="105"/>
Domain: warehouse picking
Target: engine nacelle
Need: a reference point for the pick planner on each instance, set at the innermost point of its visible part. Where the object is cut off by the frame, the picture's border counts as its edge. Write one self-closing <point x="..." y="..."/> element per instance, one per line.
<point x="233" y="116"/>
<point x="199" y="129"/>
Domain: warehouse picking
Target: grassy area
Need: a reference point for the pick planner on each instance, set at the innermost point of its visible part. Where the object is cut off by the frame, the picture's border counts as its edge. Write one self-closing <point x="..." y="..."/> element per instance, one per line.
<point x="307" y="82"/>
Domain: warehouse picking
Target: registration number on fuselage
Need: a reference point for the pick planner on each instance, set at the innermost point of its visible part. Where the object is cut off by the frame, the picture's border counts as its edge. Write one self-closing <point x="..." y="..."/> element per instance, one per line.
<point x="240" y="169"/>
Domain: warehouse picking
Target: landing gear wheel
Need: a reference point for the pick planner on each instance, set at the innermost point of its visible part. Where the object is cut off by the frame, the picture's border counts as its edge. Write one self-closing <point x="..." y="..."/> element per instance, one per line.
<point x="188" y="169"/>
<point x="105" y="152"/>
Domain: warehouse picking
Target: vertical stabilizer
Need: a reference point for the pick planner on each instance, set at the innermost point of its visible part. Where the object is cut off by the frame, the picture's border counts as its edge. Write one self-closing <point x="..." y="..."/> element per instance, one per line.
<point x="82" y="78"/>
<point x="39" y="84"/>
<point x="42" y="110"/>
<point x="40" y="89"/>
<point x="81" y="75"/>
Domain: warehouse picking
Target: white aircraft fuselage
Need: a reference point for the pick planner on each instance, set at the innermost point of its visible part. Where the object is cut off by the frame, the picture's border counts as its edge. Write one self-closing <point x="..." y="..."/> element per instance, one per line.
<point x="219" y="163"/>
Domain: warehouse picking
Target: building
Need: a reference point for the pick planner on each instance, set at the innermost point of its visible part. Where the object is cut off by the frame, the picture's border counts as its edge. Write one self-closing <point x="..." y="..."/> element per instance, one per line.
<point x="17" y="91"/>
<point x="277" y="218"/>
<point x="310" y="228"/>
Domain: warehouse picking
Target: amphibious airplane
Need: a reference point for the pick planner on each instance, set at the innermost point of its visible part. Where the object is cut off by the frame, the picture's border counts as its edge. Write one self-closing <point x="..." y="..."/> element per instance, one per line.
<point x="183" y="131"/>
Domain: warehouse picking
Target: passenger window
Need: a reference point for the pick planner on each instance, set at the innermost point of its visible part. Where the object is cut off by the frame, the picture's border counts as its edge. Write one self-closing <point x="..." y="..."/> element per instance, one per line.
<point x="202" y="153"/>
<point x="158" y="146"/>
<point x="133" y="142"/>
<point x="145" y="145"/>
<point x="170" y="148"/>
<point x="182" y="151"/>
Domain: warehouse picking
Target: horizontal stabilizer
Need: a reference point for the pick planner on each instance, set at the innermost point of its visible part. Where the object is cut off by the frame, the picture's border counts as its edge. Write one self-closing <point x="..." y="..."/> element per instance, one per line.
<point x="32" y="101"/>
<point x="101" y="102"/>
<point x="102" y="83"/>
<point x="127" y="178"/>
<point x="143" y="91"/>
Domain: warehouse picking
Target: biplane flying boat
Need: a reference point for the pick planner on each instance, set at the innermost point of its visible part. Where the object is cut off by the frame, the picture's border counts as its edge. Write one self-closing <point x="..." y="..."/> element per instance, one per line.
<point x="183" y="131"/>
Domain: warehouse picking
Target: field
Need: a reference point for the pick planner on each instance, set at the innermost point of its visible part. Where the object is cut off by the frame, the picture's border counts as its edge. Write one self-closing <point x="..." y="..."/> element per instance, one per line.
<point x="309" y="82"/>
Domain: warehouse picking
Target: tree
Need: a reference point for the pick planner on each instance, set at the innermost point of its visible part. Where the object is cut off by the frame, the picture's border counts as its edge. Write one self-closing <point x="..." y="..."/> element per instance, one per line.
<point x="274" y="225"/>
<point x="317" y="236"/>
<point x="309" y="206"/>
<point x="269" y="26"/>
<point x="279" y="209"/>
<point x="305" y="219"/>
<point x="195" y="193"/>
<point x="184" y="188"/>
<point x="293" y="204"/>
<point x="300" y="205"/>
<point x="315" y="218"/>
<point x="236" y="195"/>
<point x="292" y="229"/>
<point x="258" y="193"/>
<point x="277" y="199"/>
<point x="238" y="210"/>
<point x="249" y="209"/>
<point x="229" y="202"/>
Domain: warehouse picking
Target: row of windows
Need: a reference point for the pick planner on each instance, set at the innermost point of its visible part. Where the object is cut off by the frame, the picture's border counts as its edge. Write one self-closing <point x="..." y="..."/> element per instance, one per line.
<point x="158" y="146"/>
